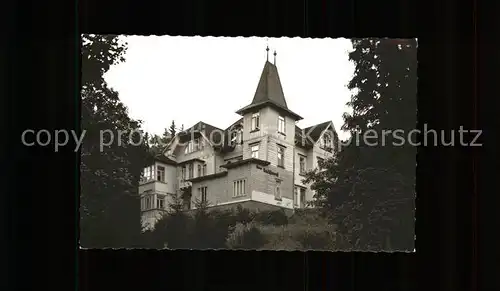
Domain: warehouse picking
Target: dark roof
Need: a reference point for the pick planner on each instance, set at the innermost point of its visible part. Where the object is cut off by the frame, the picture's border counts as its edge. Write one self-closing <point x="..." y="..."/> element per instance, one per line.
<point x="269" y="92"/>
<point x="269" y="87"/>
<point x="207" y="129"/>
<point x="311" y="134"/>
<point x="163" y="159"/>
<point x="234" y="124"/>
<point x="316" y="130"/>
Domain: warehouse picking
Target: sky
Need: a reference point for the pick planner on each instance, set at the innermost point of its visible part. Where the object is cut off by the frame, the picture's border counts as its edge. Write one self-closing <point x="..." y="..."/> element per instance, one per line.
<point x="192" y="79"/>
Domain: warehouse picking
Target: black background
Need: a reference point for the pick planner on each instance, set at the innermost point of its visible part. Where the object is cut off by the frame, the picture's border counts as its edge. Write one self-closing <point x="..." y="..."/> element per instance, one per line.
<point x="41" y="187"/>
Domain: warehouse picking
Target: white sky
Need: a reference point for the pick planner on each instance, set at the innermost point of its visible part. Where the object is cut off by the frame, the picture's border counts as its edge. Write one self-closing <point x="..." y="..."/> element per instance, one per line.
<point x="191" y="79"/>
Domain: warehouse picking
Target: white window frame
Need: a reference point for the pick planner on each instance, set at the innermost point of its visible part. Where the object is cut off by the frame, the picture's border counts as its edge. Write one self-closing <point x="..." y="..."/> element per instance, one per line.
<point x="149" y="173"/>
<point x="202" y="192"/>
<point x="190" y="171"/>
<point x="183" y="173"/>
<point x="327" y="140"/>
<point x="281" y="124"/>
<point x="302" y="164"/>
<point x="239" y="188"/>
<point x="158" y="199"/>
<point x="148" y="202"/>
<point x="160" y="173"/>
<point x="194" y="146"/>
<point x="255" y="121"/>
<point x="281" y="156"/>
<point x="254" y="149"/>
<point x="302" y="190"/>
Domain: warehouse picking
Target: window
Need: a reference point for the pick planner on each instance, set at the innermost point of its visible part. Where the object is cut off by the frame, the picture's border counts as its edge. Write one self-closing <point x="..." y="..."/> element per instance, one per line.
<point x="204" y="169"/>
<point x="202" y="192"/>
<point x="281" y="156"/>
<point x="281" y="124"/>
<point x="327" y="140"/>
<point x="255" y="151"/>
<point x="199" y="170"/>
<point x="255" y="121"/>
<point x="148" y="202"/>
<point x="299" y="196"/>
<point x="160" y="173"/>
<point x="302" y="197"/>
<point x="236" y="137"/>
<point x="160" y="202"/>
<point x="239" y="138"/>
<point x="149" y="173"/>
<point x="193" y="146"/>
<point x="191" y="170"/>
<point x="239" y="188"/>
<point x="183" y="173"/>
<point x="302" y="164"/>
<point x="277" y="192"/>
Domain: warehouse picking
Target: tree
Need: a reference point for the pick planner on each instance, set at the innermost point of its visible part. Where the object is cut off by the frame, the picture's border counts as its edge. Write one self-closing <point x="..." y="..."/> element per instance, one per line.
<point x="172" y="129"/>
<point x="369" y="189"/>
<point x="158" y="143"/>
<point x="109" y="202"/>
<point x="174" y="229"/>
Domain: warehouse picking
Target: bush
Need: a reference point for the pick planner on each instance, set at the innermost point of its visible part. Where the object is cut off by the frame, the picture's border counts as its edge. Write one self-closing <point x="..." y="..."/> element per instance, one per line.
<point x="245" y="236"/>
<point x="305" y="230"/>
<point x="275" y="217"/>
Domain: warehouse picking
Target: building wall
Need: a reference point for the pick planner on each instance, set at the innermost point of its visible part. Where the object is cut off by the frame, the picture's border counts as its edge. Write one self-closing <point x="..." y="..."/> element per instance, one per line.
<point x="264" y="182"/>
<point x="220" y="190"/>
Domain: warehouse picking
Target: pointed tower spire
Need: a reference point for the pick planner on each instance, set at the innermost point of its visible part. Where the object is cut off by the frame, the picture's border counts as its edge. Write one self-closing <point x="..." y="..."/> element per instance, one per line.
<point x="267" y="52"/>
<point x="269" y="91"/>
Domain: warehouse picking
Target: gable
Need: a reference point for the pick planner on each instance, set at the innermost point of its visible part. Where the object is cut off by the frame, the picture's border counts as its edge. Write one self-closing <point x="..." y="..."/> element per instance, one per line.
<point x="309" y="136"/>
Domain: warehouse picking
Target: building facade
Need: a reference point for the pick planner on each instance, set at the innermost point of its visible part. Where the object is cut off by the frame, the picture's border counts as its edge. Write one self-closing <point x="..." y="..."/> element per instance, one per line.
<point x="257" y="162"/>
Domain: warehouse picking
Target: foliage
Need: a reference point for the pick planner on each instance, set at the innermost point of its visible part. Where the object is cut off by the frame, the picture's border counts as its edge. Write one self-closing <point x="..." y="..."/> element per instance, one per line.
<point x="369" y="190"/>
<point x="302" y="232"/>
<point x="275" y="217"/>
<point x="109" y="206"/>
<point x="246" y="236"/>
<point x="157" y="143"/>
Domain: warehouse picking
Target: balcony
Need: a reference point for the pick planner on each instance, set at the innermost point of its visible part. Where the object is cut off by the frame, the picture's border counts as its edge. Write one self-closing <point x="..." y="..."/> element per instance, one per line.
<point x="154" y="185"/>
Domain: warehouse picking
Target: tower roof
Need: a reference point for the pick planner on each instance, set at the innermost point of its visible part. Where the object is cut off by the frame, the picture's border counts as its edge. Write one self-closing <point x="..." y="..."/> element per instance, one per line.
<point x="269" y="92"/>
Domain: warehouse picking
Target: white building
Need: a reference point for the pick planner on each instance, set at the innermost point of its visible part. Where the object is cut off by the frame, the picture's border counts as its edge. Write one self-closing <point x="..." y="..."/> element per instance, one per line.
<point x="257" y="162"/>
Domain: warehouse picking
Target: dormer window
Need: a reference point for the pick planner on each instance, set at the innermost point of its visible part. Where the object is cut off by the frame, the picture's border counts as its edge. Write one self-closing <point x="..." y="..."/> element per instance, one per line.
<point x="281" y="125"/>
<point x="193" y="146"/>
<point x="255" y="121"/>
<point x="327" y="140"/>
<point x="236" y="137"/>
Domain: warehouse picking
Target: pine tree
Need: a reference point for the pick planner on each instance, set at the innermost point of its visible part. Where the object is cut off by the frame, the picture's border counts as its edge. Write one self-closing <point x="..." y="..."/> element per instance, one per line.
<point x="109" y="202"/>
<point x="370" y="189"/>
<point x="172" y="129"/>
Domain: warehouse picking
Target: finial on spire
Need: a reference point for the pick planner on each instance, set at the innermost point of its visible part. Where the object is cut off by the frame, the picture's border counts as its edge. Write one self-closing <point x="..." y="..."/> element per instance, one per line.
<point x="275" y="57"/>
<point x="267" y="49"/>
